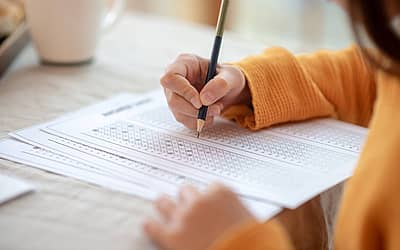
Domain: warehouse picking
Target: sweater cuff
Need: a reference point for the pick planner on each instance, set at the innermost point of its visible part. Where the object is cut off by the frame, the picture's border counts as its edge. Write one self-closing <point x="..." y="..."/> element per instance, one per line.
<point x="281" y="91"/>
<point x="255" y="236"/>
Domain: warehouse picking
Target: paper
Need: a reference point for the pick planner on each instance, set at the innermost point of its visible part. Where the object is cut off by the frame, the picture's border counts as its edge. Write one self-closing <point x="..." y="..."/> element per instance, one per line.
<point x="11" y="188"/>
<point x="82" y="170"/>
<point x="46" y="160"/>
<point x="90" y="163"/>
<point x="286" y="165"/>
<point x="100" y="160"/>
<point x="118" y="167"/>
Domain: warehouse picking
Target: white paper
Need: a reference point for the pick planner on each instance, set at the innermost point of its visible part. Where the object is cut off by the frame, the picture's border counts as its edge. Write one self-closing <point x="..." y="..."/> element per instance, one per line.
<point x="46" y="160"/>
<point x="118" y="168"/>
<point x="104" y="162"/>
<point x="286" y="165"/>
<point x="115" y="166"/>
<point x="43" y="159"/>
<point x="11" y="188"/>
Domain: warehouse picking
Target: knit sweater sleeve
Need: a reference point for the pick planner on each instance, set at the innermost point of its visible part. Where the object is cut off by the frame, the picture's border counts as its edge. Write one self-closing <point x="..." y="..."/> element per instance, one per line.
<point x="287" y="88"/>
<point x="255" y="236"/>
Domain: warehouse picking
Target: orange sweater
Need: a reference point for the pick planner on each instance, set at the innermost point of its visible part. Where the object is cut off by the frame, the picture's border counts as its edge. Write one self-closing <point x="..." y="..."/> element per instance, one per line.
<point x="338" y="84"/>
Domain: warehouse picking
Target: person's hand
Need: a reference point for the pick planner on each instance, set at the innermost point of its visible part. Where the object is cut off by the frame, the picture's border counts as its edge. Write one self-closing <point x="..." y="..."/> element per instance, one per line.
<point x="184" y="79"/>
<point x="196" y="220"/>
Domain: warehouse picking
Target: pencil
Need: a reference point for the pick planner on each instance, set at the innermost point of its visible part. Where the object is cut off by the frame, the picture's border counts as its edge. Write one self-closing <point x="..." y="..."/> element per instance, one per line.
<point x="212" y="66"/>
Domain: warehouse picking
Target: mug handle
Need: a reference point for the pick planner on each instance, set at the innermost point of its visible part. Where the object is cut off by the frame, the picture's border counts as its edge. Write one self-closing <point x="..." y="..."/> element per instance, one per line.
<point x="113" y="14"/>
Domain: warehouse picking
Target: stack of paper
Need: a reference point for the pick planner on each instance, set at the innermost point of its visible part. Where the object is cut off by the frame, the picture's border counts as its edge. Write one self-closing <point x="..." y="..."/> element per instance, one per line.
<point x="11" y="188"/>
<point x="133" y="144"/>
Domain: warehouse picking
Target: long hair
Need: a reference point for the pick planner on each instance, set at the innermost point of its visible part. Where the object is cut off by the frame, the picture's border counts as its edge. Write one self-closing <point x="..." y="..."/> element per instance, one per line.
<point x="372" y="17"/>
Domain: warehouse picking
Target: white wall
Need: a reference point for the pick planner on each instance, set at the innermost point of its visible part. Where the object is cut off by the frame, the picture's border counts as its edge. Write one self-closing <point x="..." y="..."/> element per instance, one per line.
<point x="308" y="23"/>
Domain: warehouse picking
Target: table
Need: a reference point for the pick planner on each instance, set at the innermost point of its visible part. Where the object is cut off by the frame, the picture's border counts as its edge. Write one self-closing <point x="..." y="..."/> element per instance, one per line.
<point x="65" y="213"/>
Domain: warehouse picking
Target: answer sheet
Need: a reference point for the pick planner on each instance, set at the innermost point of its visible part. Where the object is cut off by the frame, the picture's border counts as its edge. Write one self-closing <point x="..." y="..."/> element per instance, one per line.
<point x="118" y="167"/>
<point x="96" y="166"/>
<point x="83" y="170"/>
<point x="285" y="165"/>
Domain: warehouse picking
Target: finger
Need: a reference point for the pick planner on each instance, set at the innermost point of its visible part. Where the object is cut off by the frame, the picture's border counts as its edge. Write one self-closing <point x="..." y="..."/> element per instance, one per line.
<point x="215" y="109"/>
<point x="156" y="231"/>
<point x="209" y="121"/>
<point x="174" y="79"/>
<point x="218" y="188"/>
<point x="195" y="68"/>
<point x="167" y="93"/>
<point x="180" y="105"/>
<point x="191" y="122"/>
<point x="166" y="207"/>
<point x="187" y="194"/>
<point x="214" y="90"/>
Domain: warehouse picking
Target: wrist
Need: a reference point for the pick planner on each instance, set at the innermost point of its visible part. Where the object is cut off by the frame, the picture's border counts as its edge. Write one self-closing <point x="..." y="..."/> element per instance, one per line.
<point x="244" y="96"/>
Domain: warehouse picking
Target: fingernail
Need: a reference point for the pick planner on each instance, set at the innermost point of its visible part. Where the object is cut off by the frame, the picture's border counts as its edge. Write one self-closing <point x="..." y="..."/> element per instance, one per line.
<point x="195" y="102"/>
<point x="208" y="98"/>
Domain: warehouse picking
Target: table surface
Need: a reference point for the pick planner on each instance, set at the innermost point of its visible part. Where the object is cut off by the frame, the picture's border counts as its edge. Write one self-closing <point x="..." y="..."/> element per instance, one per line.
<point x="65" y="213"/>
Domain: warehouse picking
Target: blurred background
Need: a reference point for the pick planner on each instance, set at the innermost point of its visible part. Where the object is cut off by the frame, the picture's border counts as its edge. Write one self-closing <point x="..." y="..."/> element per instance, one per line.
<point x="309" y="24"/>
<point x="298" y="25"/>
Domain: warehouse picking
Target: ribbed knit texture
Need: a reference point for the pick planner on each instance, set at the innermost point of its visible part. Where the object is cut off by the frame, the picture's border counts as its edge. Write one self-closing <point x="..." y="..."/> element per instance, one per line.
<point x="339" y="84"/>
<point x="287" y="88"/>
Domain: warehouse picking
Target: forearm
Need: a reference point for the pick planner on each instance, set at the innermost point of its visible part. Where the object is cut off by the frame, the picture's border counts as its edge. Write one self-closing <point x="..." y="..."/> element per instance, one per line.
<point x="287" y="88"/>
<point x="345" y="80"/>
<point x="255" y="236"/>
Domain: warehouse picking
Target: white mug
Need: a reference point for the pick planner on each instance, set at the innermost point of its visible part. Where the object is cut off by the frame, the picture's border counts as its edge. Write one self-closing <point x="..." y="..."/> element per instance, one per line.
<point x="67" y="31"/>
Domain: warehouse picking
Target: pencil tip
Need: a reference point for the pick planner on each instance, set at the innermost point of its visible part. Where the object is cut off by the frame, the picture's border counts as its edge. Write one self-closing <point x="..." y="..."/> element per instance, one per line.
<point x="200" y="125"/>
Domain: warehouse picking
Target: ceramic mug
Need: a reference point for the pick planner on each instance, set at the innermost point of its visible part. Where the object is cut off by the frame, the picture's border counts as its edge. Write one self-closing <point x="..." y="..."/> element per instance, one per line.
<point x="66" y="32"/>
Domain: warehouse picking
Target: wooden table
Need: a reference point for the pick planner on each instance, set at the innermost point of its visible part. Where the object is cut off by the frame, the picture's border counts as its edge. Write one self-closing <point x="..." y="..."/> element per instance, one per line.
<point x="65" y="213"/>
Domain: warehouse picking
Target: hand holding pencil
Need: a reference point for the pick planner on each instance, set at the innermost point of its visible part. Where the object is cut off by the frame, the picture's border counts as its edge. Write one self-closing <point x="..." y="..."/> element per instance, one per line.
<point x="186" y="92"/>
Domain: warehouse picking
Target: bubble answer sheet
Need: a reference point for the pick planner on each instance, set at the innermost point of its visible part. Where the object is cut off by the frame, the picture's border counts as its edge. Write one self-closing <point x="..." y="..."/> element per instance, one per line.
<point x="285" y="165"/>
<point x="69" y="158"/>
<point x="51" y="161"/>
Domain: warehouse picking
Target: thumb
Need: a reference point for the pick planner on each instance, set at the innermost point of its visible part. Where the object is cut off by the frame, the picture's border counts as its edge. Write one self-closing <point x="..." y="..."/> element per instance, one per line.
<point x="214" y="90"/>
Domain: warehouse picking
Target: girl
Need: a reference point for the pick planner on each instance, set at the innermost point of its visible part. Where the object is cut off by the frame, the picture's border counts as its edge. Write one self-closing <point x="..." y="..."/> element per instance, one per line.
<point x="354" y="85"/>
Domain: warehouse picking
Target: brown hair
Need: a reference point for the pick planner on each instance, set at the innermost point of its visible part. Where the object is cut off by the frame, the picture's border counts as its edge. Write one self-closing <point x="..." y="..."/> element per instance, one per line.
<point x="374" y="18"/>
